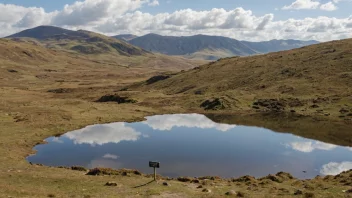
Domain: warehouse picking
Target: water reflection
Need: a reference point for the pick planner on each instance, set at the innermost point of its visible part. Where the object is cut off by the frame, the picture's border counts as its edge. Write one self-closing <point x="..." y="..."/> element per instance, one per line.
<point x="310" y="146"/>
<point x="334" y="168"/>
<point x="168" y="122"/>
<point x="103" y="134"/>
<point x="110" y="156"/>
<point x="193" y="146"/>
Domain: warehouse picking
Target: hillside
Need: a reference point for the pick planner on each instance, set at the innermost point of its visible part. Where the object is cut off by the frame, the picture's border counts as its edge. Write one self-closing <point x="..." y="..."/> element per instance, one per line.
<point x="319" y="76"/>
<point x="80" y="41"/>
<point x="100" y="48"/>
<point x="211" y="47"/>
<point x="171" y="45"/>
<point x="45" y="32"/>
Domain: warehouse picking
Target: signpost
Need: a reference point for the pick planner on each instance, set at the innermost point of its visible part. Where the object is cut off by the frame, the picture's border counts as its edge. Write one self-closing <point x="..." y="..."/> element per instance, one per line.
<point x="154" y="165"/>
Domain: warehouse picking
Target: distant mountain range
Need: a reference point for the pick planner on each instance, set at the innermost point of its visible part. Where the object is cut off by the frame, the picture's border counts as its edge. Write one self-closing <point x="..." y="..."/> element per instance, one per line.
<point x="95" y="47"/>
<point x="201" y="47"/>
<point x="210" y="47"/>
<point x="81" y="41"/>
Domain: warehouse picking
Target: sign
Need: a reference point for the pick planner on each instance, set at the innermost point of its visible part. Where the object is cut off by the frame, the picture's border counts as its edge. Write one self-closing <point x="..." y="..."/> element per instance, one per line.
<point x="154" y="164"/>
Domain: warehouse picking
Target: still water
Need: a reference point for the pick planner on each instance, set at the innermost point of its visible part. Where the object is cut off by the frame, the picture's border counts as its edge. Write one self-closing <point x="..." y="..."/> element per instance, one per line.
<point x="193" y="145"/>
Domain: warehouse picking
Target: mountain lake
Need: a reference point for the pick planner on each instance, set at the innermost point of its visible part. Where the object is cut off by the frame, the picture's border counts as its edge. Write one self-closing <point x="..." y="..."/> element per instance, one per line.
<point x="193" y="145"/>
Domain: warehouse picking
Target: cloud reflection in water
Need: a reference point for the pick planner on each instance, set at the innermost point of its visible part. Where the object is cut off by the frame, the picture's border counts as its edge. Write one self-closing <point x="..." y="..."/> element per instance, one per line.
<point x="103" y="134"/>
<point x="308" y="147"/>
<point x="334" y="168"/>
<point x="167" y="122"/>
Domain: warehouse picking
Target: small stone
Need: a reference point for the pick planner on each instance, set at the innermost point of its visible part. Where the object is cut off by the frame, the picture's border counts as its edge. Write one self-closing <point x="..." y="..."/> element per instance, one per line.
<point x="166" y="184"/>
<point x="206" y="190"/>
<point x="241" y="194"/>
<point x="200" y="186"/>
<point x="298" y="192"/>
<point x="184" y="179"/>
<point x="231" y="192"/>
<point x="111" y="184"/>
<point x="349" y="191"/>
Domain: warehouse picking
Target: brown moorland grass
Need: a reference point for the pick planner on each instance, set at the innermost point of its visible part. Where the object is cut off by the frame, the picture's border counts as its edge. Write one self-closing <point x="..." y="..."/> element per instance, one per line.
<point x="310" y="87"/>
<point x="30" y="111"/>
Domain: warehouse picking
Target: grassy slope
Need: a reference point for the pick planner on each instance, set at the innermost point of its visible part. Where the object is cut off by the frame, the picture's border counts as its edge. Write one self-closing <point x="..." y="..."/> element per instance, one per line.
<point x="29" y="114"/>
<point x="307" y="70"/>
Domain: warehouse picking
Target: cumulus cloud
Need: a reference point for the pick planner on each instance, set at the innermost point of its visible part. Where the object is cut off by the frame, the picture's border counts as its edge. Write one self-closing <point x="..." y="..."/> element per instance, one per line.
<point x="302" y="4"/>
<point x="308" y="147"/>
<point x="312" y="4"/>
<point x="103" y="134"/>
<point x="167" y="122"/>
<point x="90" y="11"/>
<point x="330" y="6"/>
<point x="334" y="168"/>
<point x="113" y="17"/>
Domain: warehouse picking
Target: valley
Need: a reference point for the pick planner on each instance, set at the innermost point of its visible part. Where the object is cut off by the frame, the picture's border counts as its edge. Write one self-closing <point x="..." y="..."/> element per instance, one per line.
<point x="50" y="85"/>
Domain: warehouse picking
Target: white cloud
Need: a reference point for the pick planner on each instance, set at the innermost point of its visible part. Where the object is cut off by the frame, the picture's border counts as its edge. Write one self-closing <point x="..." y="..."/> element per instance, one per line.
<point x="103" y="134"/>
<point x="113" y="17"/>
<point x="329" y="6"/>
<point x="153" y="3"/>
<point x="334" y="168"/>
<point x="90" y="11"/>
<point x="308" y="147"/>
<point x="302" y="4"/>
<point x="110" y="156"/>
<point x="167" y="122"/>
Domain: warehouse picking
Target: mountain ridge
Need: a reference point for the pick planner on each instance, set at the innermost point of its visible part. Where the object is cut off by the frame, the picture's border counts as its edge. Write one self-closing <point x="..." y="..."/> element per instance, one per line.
<point x="81" y="41"/>
<point x="190" y="46"/>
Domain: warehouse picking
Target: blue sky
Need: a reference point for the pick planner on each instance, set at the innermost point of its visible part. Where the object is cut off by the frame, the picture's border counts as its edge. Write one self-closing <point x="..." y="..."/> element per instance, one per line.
<point x="242" y="19"/>
<point x="258" y="7"/>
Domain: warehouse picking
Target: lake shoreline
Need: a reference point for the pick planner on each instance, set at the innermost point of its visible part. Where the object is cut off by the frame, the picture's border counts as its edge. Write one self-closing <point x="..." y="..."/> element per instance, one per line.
<point x="23" y="133"/>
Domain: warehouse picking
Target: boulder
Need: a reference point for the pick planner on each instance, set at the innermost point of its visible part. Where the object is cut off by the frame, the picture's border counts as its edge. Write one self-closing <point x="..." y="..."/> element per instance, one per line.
<point x="213" y="104"/>
<point x="184" y="179"/>
<point x="231" y="193"/>
<point x="12" y="71"/>
<point x="111" y="184"/>
<point x="298" y="192"/>
<point x="206" y="190"/>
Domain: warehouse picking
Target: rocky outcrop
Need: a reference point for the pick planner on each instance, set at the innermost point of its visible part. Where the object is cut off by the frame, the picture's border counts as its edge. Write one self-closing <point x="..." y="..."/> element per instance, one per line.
<point x="116" y="98"/>
<point x="213" y="104"/>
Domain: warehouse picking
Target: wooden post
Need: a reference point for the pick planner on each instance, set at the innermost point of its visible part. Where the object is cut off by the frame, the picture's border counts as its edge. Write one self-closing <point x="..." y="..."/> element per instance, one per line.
<point x="154" y="173"/>
<point x="154" y="165"/>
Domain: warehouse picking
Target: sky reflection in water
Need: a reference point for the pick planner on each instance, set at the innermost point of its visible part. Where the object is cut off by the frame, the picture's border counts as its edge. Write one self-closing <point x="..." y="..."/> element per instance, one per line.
<point x="193" y="145"/>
